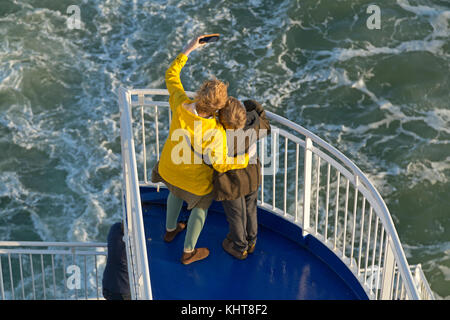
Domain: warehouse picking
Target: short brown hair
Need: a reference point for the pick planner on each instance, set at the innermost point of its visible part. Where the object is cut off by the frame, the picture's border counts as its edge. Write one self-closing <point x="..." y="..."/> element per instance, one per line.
<point x="211" y="96"/>
<point x="233" y="115"/>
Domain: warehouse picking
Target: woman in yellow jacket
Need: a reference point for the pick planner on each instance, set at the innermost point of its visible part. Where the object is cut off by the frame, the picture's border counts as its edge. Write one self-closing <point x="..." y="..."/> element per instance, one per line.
<point x="196" y="146"/>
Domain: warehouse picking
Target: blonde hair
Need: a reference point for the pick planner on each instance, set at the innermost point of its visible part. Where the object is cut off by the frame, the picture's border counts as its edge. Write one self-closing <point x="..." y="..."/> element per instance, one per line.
<point x="233" y="115"/>
<point x="211" y="96"/>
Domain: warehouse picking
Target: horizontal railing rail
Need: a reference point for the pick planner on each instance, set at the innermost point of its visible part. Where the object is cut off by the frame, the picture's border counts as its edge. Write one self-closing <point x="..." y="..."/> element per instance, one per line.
<point x="308" y="182"/>
<point x="51" y="270"/>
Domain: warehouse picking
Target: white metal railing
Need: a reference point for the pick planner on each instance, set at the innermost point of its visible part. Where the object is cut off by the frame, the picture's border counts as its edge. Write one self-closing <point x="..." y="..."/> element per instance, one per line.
<point x="305" y="180"/>
<point x="51" y="270"/>
<point x="138" y="271"/>
<point x="423" y="287"/>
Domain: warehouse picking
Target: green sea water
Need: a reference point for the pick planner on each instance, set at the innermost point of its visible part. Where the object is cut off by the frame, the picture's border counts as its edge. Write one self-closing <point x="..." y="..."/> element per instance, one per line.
<point x="381" y="96"/>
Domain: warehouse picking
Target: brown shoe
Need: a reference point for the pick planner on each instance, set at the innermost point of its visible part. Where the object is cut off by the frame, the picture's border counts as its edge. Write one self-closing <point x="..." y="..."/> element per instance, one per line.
<point x="228" y="247"/>
<point x="196" y="255"/>
<point x="251" y="248"/>
<point x="170" y="235"/>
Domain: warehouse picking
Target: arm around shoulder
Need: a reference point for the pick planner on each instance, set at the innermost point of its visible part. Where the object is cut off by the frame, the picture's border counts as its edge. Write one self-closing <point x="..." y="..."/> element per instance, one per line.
<point x="219" y="158"/>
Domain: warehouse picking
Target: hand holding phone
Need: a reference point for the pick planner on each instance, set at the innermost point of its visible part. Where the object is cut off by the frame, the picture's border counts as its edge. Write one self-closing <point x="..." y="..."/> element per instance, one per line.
<point x="200" y="42"/>
<point x="209" y="38"/>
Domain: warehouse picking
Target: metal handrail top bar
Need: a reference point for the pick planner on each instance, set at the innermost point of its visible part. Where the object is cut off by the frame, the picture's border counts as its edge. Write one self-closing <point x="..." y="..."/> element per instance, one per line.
<point x="40" y="251"/>
<point x="51" y="244"/>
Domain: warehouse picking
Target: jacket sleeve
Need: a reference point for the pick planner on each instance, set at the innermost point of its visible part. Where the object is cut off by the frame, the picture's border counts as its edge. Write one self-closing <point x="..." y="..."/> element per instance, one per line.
<point x="264" y="124"/>
<point x="173" y="82"/>
<point x="218" y="153"/>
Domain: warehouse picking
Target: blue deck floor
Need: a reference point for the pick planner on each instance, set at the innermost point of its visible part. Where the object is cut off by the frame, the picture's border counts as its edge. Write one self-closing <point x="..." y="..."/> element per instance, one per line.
<point x="279" y="268"/>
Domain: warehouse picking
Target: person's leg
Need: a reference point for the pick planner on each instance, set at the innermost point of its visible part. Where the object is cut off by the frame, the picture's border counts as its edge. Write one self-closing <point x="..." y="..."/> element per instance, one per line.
<point x="126" y="296"/>
<point x="252" y="219"/>
<point x="194" y="227"/>
<point x="173" y="210"/>
<point x="108" y="295"/>
<point x="236" y="217"/>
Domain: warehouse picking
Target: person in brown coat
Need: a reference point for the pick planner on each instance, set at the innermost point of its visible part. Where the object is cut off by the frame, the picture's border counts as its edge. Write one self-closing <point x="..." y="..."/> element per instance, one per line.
<point x="237" y="189"/>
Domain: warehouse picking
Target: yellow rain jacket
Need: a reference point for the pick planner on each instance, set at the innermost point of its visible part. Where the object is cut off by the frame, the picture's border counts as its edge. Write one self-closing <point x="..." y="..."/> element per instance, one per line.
<point x="179" y="164"/>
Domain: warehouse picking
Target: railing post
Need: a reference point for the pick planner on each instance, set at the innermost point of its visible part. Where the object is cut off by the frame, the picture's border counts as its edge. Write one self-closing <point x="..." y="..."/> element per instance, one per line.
<point x="388" y="272"/>
<point x="144" y="151"/>
<point x="307" y="185"/>
<point x="2" y="290"/>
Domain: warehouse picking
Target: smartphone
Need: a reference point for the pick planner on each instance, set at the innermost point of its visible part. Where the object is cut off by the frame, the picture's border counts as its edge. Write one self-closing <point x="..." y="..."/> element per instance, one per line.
<point x="210" y="38"/>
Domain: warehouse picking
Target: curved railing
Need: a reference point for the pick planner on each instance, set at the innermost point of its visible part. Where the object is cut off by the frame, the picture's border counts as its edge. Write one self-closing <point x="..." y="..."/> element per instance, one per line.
<point x="305" y="180"/>
<point x="346" y="232"/>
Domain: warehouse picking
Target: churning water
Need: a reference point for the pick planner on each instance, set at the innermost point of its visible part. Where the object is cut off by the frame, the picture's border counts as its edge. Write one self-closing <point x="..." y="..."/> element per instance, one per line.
<point x="381" y="96"/>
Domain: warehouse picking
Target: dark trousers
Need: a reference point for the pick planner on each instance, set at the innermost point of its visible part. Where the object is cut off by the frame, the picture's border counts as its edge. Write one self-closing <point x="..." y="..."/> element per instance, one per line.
<point x="108" y="295"/>
<point x="242" y="220"/>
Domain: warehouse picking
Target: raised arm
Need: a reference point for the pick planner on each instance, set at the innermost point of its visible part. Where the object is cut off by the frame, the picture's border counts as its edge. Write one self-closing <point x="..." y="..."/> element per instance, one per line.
<point x="193" y="45"/>
<point x="173" y="81"/>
